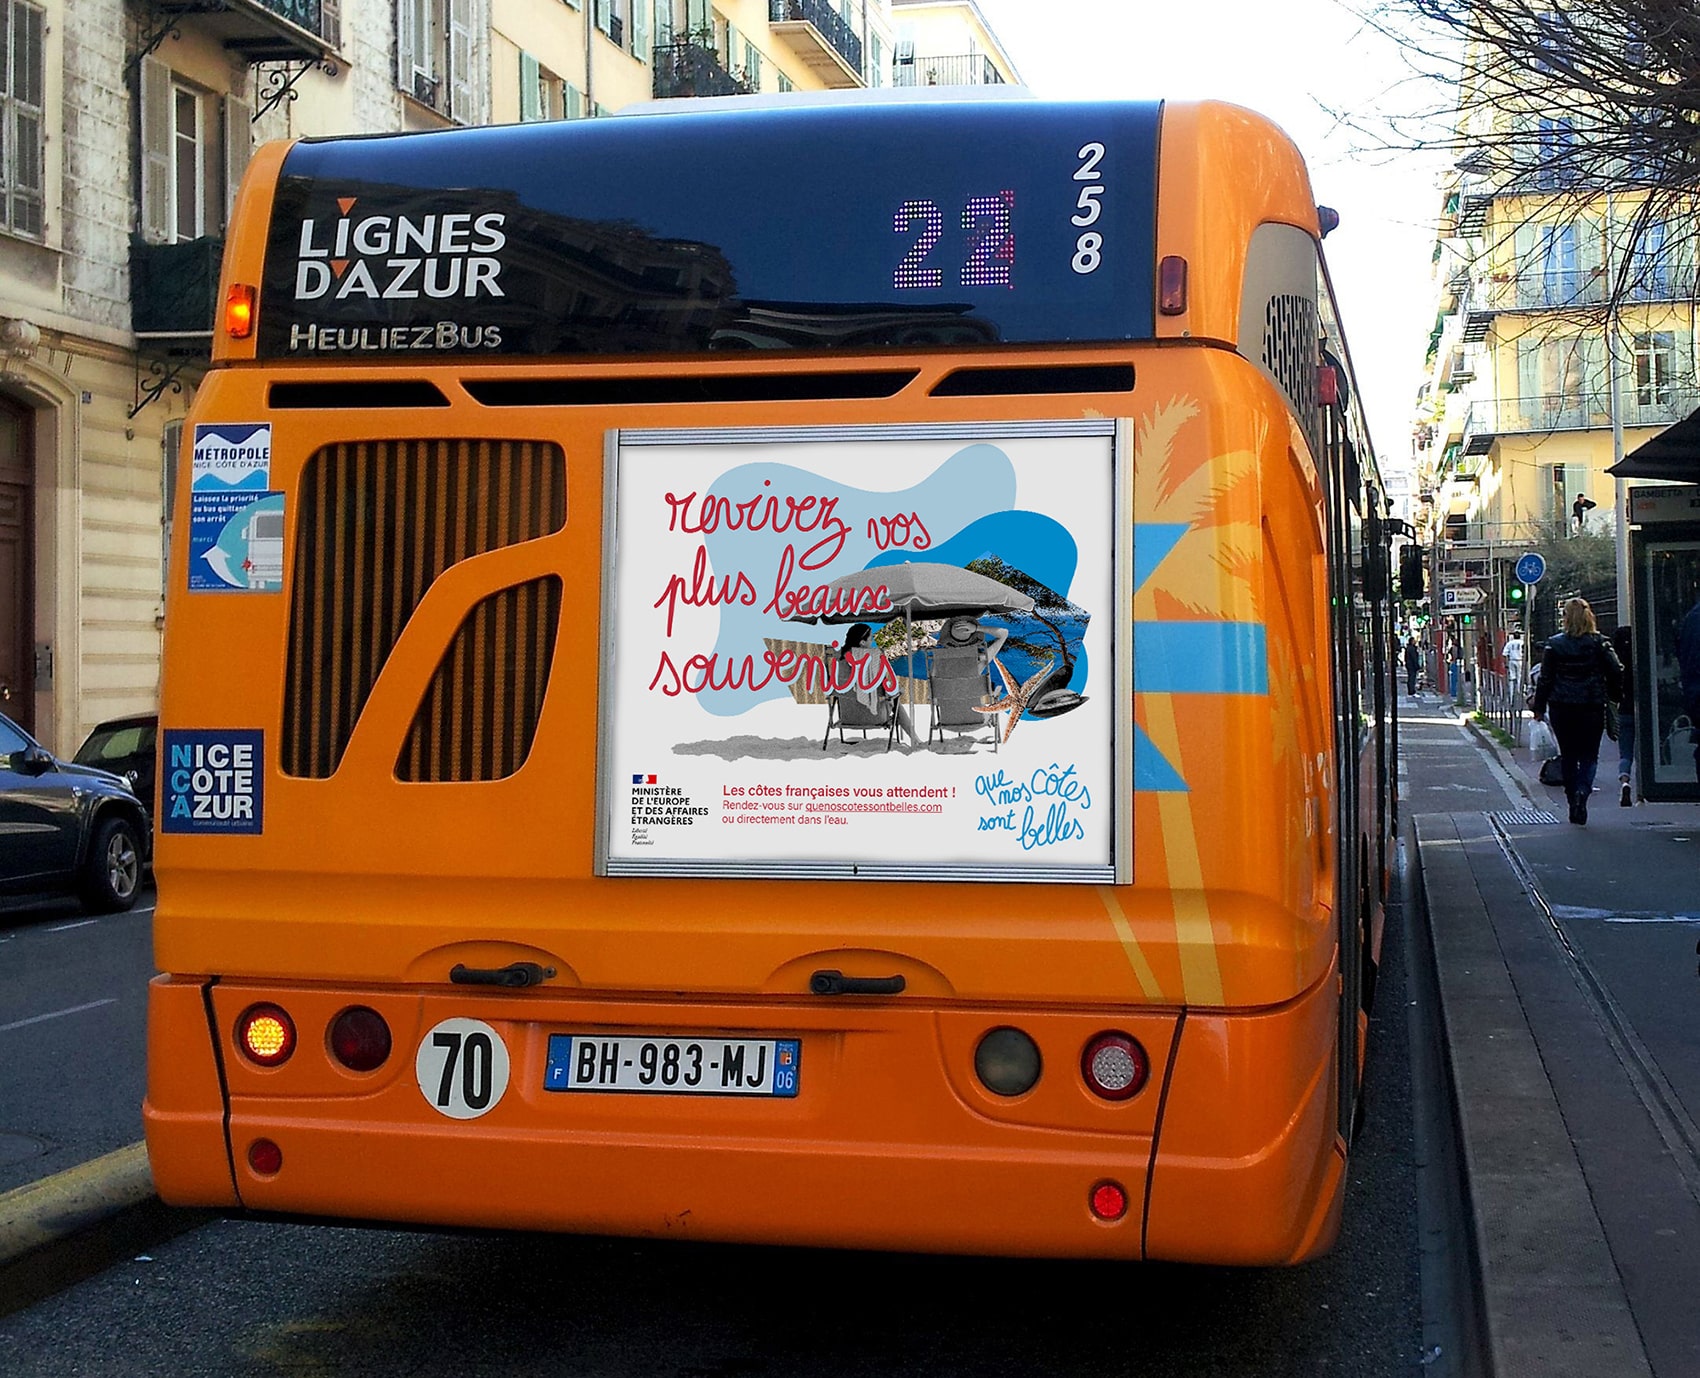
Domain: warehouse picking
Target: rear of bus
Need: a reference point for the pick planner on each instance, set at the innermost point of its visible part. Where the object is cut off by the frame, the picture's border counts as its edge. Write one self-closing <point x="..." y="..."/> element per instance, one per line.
<point x="526" y="859"/>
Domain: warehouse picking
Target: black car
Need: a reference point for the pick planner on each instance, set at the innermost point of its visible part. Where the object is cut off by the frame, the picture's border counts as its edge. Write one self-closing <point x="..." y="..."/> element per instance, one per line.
<point x="67" y="829"/>
<point x="128" y="747"/>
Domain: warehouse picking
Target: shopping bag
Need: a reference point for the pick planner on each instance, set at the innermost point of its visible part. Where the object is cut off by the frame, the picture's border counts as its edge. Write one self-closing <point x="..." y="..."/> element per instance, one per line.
<point x="1542" y="743"/>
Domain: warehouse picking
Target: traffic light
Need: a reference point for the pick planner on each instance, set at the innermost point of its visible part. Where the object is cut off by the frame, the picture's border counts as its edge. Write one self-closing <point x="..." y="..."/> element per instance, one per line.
<point x="1411" y="572"/>
<point x="1515" y="593"/>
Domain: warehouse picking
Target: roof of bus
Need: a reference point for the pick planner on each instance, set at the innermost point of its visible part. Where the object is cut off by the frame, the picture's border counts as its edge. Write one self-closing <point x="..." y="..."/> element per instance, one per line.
<point x="974" y="216"/>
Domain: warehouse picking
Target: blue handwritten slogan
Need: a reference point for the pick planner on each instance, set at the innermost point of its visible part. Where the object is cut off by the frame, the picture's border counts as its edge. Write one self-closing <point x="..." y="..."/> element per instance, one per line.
<point x="1039" y="809"/>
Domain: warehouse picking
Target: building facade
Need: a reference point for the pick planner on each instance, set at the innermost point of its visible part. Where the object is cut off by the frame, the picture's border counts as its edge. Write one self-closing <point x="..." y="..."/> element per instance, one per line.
<point x="126" y="127"/>
<point x="1564" y="333"/>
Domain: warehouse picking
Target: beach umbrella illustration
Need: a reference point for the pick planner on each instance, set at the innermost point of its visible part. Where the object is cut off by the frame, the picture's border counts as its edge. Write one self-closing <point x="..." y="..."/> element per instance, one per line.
<point x="917" y="589"/>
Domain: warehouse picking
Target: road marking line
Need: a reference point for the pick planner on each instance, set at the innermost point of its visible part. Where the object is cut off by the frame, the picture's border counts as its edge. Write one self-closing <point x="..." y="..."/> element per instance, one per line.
<point x="57" y="1014"/>
<point x="67" y="927"/>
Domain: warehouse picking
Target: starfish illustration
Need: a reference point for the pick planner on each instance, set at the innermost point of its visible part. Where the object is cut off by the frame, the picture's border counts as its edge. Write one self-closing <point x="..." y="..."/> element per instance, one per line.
<point x="1014" y="699"/>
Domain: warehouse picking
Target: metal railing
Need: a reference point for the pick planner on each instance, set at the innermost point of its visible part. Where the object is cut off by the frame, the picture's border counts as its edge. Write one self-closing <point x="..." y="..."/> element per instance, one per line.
<point x="1554" y="289"/>
<point x="685" y="68"/>
<point x="1500" y="702"/>
<point x="1658" y="406"/>
<point x="844" y="40"/>
<point x="959" y="69"/>
<point x="305" y="14"/>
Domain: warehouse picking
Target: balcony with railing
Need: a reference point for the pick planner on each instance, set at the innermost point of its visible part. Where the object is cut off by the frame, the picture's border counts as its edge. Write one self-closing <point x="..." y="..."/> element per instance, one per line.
<point x="957" y="69"/>
<point x="686" y="68"/>
<point x="1562" y="287"/>
<point x="821" y="37"/>
<point x="174" y="290"/>
<point x="1491" y="418"/>
<point x="254" y="30"/>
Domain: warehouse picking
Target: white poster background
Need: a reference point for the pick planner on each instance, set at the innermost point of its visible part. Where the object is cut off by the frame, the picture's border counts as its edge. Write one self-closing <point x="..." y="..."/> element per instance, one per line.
<point x="717" y="535"/>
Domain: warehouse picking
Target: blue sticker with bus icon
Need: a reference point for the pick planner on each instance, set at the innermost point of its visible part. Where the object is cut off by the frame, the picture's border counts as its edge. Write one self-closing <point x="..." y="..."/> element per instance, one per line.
<point x="235" y="520"/>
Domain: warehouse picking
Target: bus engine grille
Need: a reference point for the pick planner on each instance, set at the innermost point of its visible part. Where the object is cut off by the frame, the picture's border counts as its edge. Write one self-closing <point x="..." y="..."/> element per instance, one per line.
<point x="378" y="522"/>
<point x="478" y="718"/>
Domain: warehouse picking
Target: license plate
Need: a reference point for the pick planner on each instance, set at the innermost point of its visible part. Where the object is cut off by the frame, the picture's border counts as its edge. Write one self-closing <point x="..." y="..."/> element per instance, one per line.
<point x="673" y="1066"/>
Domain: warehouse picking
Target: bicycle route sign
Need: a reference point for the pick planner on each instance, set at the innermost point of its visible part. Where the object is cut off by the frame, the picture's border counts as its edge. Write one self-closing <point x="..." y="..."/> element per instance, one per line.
<point x="1531" y="567"/>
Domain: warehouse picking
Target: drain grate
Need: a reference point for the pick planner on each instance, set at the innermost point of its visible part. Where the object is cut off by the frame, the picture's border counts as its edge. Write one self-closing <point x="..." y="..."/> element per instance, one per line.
<point x="1524" y="816"/>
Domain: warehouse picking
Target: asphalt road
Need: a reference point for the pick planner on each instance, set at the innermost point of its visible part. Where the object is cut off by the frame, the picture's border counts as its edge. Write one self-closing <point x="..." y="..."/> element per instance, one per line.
<point x="241" y="1297"/>
<point x="73" y="1019"/>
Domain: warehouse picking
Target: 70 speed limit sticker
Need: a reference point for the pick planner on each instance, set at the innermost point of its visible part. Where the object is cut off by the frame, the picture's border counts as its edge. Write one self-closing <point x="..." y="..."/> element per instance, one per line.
<point x="462" y="1067"/>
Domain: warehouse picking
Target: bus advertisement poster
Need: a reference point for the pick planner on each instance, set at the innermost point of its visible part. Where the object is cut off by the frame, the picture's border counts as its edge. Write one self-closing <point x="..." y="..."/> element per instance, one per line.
<point x="872" y="651"/>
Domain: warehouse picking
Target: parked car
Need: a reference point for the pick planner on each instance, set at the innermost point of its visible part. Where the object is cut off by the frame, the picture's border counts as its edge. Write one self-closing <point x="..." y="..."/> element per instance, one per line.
<point x="67" y="829"/>
<point x="128" y="747"/>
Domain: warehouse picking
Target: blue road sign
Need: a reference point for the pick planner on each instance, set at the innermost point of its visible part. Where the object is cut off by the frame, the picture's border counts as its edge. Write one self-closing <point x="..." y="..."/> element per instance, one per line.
<point x="1531" y="567"/>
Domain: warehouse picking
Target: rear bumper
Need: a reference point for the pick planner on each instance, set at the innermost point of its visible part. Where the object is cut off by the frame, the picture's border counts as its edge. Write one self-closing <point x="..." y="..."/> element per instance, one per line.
<point x="891" y="1143"/>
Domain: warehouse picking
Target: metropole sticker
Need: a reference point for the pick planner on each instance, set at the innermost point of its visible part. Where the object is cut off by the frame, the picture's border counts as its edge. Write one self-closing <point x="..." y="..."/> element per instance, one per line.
<point x="235" y="520"/>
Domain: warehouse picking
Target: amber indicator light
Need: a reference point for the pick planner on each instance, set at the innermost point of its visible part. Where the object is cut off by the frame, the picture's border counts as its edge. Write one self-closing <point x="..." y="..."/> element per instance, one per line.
<point x="239" y="311"/>
<point x="266" y="1035"/>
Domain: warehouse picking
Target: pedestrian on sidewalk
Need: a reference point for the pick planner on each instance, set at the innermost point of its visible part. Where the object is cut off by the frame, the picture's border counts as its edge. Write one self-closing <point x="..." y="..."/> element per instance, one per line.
<point x="1620" y="643"/>
<point x="1413" y="663"/>
<point x="1579" y="673"/>
<point x="1688" y="661"/>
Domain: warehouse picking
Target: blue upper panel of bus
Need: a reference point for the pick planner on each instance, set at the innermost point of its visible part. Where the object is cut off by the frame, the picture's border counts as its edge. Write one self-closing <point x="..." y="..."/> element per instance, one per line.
<point x="813" y="227"/>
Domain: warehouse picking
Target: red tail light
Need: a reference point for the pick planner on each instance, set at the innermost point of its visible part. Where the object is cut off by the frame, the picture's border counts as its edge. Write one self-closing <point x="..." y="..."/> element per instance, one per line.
<point x="360" y="1039"/>
<point x="265" y="1157"/>
<point x="1109" y="1201"/>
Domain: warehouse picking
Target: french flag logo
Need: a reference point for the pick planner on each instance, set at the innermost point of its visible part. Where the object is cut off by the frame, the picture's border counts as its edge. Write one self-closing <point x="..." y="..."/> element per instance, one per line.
<point x="643" y="779"/>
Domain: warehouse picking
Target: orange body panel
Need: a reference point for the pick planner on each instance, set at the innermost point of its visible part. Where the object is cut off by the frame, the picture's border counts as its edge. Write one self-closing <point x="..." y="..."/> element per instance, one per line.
<point x="184" y="1114"/>
<point x="1248" y="1141"/>
<point x="1220" y="957"/>
<point x="1238" y="172"/>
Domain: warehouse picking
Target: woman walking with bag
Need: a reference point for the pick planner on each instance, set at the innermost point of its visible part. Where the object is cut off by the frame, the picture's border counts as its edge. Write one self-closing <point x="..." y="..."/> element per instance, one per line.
<point x="1579" y="674"/>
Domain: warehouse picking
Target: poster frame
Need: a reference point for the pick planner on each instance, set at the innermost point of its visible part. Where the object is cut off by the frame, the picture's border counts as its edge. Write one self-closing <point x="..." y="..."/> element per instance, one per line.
<point x="1119" y="871"/>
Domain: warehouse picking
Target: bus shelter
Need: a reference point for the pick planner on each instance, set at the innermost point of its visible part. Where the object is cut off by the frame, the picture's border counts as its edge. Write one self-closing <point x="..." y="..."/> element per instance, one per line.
<point x="1664" y="562"/>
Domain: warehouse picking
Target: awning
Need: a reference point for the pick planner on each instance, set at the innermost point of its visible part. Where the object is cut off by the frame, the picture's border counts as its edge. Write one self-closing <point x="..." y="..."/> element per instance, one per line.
<point x="1674" y="453"/>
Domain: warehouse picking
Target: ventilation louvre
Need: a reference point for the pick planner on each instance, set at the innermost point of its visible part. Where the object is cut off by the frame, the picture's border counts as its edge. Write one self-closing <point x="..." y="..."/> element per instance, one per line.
<point x="1290" y="335"/>
<point x="377" y="522"/>
<point x="479" y="717"/>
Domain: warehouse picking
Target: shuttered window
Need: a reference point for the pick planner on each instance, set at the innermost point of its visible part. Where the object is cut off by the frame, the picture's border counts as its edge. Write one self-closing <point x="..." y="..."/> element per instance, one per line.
<point x="195" y="148"/>
<point x="22" y="141"/>
<point x="438" y="55"/>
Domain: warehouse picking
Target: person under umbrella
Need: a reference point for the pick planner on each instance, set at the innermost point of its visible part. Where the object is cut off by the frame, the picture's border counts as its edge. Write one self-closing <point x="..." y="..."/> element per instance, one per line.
<point x="850" y="671"/>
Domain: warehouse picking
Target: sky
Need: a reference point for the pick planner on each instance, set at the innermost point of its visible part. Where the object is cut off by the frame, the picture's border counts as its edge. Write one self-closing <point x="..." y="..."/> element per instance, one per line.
<point x="1286" y="59"/>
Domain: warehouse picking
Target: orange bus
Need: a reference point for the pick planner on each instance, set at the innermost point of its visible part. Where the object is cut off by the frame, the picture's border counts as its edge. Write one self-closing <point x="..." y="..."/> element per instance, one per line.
<point x="796" y="671"/>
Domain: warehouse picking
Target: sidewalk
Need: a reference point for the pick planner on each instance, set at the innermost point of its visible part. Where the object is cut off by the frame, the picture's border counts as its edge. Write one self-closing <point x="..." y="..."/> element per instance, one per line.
<point x="1565" y="958"/>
